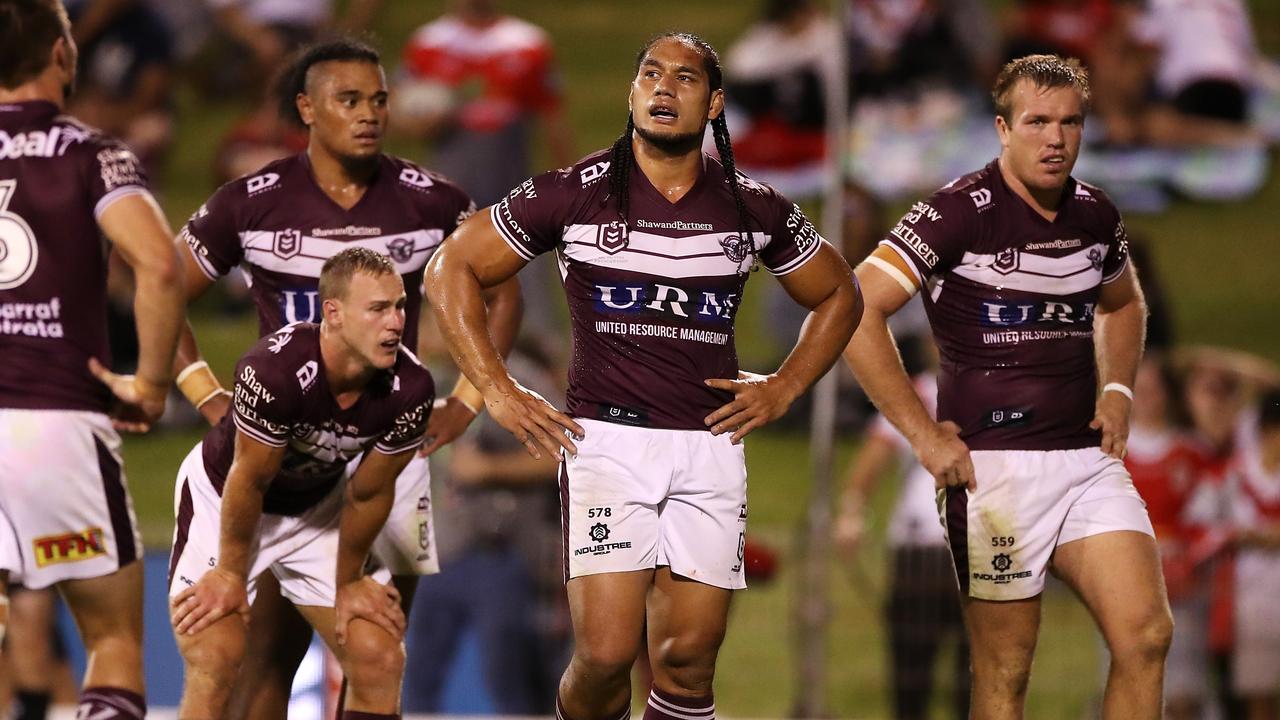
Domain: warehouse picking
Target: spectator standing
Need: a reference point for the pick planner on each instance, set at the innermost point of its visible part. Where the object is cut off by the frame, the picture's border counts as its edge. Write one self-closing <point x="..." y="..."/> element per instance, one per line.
<point x="500" y="570"/>
<point x="923" y="607"/>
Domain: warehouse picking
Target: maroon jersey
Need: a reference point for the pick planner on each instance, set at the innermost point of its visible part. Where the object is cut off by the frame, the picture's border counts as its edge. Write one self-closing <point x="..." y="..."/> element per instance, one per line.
<point x="1011" y="299"/>
<point x="57" y="176"/>
<point x="652" y="314"/>
<point x="282" y="227"/>
<point x="282" y="400"/>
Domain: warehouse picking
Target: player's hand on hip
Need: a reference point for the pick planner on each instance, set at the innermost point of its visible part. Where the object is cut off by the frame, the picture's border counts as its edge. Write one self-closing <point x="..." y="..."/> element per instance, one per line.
<point x="216" y="595"/>
<point x="533" y="421"/>
<point x="370" y="600"/>
<point x="141" y="403"/>
<point x="757" y="400"/>
<point x="947" y="458"/>
<point x="450" y="417"/>
<point x="1111" y="416"/>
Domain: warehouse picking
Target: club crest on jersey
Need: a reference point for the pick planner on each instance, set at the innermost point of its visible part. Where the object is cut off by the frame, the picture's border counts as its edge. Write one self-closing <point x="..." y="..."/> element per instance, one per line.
<point x="400" y="249"/>
<point x="287" y="243"/>
<point x="612" y="237"/>
<point x="1095" y="258"/>
<point x="735" y="248"/>
<point x="1006" y="261"/>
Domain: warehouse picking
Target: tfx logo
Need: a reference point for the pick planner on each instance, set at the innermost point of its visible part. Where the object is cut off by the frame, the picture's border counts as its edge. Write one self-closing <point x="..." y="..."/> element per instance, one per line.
<point x="661" y="298"/>
<point x="299" y="306"/>
<point x="1036" y="311"/>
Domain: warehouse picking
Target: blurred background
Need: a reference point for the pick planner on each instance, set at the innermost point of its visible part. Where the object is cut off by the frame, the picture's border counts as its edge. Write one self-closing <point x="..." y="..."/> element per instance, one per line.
<point x="1183" y="136"/>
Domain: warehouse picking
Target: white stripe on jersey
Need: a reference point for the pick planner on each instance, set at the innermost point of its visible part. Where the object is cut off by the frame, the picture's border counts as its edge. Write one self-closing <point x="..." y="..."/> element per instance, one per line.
<point x="805" y="256"/>
<point x="672" y="257"/>
<point x="105" y="201"/>
<point x="1064" y="275"/>
<point x="259" y="250"/>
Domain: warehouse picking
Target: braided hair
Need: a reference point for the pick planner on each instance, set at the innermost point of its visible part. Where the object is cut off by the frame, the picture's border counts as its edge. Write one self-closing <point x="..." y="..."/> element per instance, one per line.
<point x="621" y="155"/>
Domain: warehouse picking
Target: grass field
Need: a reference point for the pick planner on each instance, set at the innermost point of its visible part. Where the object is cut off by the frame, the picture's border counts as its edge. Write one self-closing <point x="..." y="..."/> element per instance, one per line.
<point x="1218" y="261"/>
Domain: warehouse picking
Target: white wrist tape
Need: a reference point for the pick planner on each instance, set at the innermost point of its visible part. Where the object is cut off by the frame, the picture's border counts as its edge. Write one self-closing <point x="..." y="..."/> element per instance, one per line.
<point x="1117" y="387"/>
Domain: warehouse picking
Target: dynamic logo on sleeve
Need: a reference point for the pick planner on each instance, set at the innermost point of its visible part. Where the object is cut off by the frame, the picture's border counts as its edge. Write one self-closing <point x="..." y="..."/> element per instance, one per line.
<point x="70" y="547"/>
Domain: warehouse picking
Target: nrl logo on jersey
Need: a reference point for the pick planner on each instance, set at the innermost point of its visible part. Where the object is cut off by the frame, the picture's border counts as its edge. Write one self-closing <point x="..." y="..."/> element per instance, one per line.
<point x="287" y="243"/>
<point x="612" y="237"/>
<point x="735" y="248"/>
<point x="1006" y="261"/>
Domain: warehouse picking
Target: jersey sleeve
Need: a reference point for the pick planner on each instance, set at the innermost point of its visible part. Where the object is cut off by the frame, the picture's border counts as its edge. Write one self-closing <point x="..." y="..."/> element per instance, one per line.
<point x="531" y="218"/>
<point x="931" y="236"/>
<point x="410" y="424"/>
<point x="265" y="403"/>
<point x="792" y="238"/>
<point x="114" y="173"/>
<point x="1117" y="258"/>
<point x="211" y="234"/>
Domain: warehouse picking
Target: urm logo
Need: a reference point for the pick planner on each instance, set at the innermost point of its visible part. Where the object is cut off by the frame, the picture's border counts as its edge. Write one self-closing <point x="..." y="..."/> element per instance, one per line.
<point x="677" y="301"/>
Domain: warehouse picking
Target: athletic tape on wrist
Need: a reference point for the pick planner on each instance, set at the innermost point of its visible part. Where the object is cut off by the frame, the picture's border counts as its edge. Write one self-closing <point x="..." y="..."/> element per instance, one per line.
<point x="1117" y="387"/>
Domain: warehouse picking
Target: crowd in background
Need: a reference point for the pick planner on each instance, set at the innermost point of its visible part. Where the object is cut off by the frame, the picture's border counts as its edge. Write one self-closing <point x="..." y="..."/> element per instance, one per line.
<point x="480" y="89"/>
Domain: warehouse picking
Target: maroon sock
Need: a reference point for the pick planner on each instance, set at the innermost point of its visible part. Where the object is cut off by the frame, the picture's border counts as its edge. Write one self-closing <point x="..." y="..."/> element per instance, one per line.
<point x="109" y="703"/>
<point x="360" y="715"/>
<point x="623" y="714"/>
<point x="665" y="706"/>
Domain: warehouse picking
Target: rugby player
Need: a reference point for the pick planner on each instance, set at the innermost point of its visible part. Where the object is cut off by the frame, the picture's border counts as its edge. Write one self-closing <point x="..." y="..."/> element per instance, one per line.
<point x="66" y="519"/>
<point x="655" y="241"/>
<point x="1025" y="276"/>
<point x="281" y="223"/>
<point x="267" y="491"/>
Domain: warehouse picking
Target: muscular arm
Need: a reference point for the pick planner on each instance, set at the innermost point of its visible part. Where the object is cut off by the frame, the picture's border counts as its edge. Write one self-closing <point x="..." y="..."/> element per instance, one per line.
<point x="472" y="259"/>
<point x="141" y="235"/>
<point x="873" y="358"/>
<point x="872" y="354"/>
<point x="254" y="467"/>
<point x="825" y="286"/>
<point x="370" y="494"/>
<point x="1119" y="330"/>
<point x="201" y="386"/>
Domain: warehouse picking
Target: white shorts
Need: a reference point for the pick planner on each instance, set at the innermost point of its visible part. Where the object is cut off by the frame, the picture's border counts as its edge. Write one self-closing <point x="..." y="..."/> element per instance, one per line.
<point x="65" y="510"/>
<point x="407" y="543"/>
<point x="639" y="498"/>
<point x="1029" y="502"/>
<point x="300" y="550"/>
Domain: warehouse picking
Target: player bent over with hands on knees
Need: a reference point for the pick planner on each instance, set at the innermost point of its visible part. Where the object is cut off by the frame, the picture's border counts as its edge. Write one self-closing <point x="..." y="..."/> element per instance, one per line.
<point x="280" y="223"/>
<point x="1026" y="278"/>
<point x="655" y="240"/>
<point x="66" y="518"/>
<point x="268" y="491"/>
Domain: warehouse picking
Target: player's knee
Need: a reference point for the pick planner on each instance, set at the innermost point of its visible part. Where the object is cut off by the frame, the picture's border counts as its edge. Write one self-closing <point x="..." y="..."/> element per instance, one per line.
<point x="373" y="658"/>
<point x="215" y="655"/>
<point x="1145" y="642"/>
<point x="689" y="652"/>
<point x="1005" y="672"/>
<point x="608" y="660"/>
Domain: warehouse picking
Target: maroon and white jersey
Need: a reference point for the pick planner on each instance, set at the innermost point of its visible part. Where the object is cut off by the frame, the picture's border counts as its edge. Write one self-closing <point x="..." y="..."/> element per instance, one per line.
<point x="282" y="400"/>
<point x="282" y="228"/>
<point x="1011" y="299"/>
<point x="57" y="176"/>
<point x="652" y="315"/>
